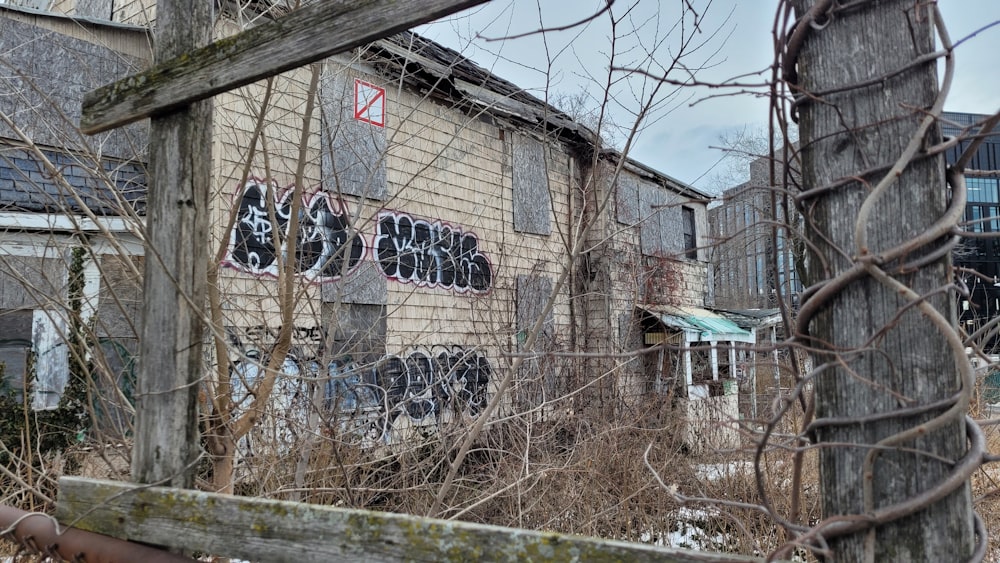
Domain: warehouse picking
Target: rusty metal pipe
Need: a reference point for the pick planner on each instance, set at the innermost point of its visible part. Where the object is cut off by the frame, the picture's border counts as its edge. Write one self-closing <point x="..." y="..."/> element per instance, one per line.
<point x="37" y="533"/>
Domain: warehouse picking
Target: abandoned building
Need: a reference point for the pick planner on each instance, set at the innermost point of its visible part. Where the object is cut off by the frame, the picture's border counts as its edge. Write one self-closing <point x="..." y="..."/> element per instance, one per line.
<point x="444" y="216"/>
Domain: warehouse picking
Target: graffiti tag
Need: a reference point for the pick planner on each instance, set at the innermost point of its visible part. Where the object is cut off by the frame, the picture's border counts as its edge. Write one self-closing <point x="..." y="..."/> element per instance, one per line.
<point x="326" y="246"/>
<point x="430" y="254"/>
<point x="417" y="389"/>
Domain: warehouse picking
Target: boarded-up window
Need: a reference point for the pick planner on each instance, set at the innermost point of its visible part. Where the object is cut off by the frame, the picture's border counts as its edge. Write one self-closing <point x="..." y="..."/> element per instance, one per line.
<point x="690" y="238"/>
<point x="532" y="202"/>
<point x="353" y="149"/>
<point x="537" y="376"/>
<point x="661" y="224"/>
<point x="29" y="282"/>
<point x="355" y="332"/>
<point x="15" y="345"/>
<point x="45" y="99"/>
<point x="627" y="200"/>
<point x="99" y="9"/>
<point x="119" y="315"/>
<point x="365" y="285"/>
<point x="533" y="293"/>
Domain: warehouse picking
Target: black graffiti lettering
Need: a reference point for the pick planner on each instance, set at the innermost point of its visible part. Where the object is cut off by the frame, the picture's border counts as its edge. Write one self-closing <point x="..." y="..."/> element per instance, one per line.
<point x="252" y="240"/>
<point x="422" y="251"/>
<point x="339" y="247"/>
<point x="418" y="402"/>
<point x="391" y="376"/>
<point x="348" y="390"/>
<point x="311" y="240"/>
<point x="444" y="256"/>
<point x="364" y="399"/>
<point x="385" y="247"/>
<point x="430" y="254"/>
<point x="476" y="377"/>
<point x="326" y="246"/>
<point x="420" y="386"/>
<point x="404" y="248"/>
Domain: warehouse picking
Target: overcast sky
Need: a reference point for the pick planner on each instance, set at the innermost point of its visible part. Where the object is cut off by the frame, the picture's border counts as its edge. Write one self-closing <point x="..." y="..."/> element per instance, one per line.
<point x="733" y="39"/>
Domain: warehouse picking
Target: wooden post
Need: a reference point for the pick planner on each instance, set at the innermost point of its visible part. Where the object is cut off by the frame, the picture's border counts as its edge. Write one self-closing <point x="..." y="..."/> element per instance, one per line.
<point x="881" y="317"/>
<point x="166" y="429"/>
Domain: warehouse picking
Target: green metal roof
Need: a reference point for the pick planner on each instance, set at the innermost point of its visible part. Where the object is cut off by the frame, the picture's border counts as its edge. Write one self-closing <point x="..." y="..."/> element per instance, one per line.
<point x="702" y="321"/>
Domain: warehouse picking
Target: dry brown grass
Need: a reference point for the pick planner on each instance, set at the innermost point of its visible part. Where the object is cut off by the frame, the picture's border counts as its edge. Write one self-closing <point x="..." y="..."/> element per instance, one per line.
<point x="571" y="475"/>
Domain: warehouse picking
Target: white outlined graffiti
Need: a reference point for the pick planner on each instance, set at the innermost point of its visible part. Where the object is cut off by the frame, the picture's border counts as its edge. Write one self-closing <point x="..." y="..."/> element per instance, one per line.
<point x="430" y="254"/>
<point x="325" y="239"/>
<point x="375" y="401"/>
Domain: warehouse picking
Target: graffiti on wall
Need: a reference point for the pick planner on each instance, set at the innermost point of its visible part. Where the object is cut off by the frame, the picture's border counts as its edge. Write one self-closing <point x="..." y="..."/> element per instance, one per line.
<point x="430" y="254"/>
<point x="372" y="401"/>
<point x="407" y="249"/>
<point x="421" y="388"/>
<point x="326" y="246"/>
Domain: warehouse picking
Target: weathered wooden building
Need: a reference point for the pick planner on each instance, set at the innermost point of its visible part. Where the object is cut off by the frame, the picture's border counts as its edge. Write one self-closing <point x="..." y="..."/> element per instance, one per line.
<point x="436" y="216"/>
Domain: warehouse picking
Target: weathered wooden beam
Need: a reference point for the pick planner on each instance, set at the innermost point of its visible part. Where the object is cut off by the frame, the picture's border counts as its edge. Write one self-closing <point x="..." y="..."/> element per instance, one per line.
<point x="271" y="530"/>
<point x="35" y="532"/>
<point x="306" y="35"/>
<point x="180" y="170"/>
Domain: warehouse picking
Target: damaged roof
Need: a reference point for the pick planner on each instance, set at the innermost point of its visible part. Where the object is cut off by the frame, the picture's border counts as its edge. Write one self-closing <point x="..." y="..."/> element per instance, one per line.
<point x="705" y="323"/>
<point x="447" y="75"/>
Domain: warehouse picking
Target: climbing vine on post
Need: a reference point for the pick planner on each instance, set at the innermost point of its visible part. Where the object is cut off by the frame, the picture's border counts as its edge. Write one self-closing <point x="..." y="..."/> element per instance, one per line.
<point x="892" y="383"/>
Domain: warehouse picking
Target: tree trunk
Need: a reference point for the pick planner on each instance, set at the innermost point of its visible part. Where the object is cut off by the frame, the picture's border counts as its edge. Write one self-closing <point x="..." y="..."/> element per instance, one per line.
<point x="166" y="434"/>
<point x="887" y="359"/>
<point x="223" y="465"/>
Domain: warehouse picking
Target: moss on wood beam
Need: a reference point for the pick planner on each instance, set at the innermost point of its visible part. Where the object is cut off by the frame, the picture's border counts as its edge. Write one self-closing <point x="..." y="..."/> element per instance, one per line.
<point x="271" y="530"/>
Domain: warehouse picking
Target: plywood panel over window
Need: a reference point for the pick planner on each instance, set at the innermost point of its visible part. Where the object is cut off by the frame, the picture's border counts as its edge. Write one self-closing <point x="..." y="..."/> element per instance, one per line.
<point x="45" y="102"/>
<point x="533" y="293"/>
<point x="356" y="333"/>
<point x="120" y="314"/>
<point x="15" y="345"/>
<point x="353" y="136"/>
<point x="32" y="282"/>
<point x="532" y="202"/>
<point x="627" y="200"/>
<point x="661" y="231"/>
<point x="365" y="285"/>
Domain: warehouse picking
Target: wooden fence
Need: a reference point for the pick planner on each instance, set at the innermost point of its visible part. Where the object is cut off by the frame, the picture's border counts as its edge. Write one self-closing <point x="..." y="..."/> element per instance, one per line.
<point x="271" y="530"/>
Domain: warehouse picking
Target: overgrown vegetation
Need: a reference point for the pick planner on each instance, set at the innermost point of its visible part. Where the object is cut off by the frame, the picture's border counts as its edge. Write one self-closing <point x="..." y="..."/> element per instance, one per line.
<point x="34" y="442"/>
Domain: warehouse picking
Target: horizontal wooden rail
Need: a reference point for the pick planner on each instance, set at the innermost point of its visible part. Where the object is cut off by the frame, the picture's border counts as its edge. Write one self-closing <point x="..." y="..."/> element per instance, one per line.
<point x="271" y="530"/>
<point x="40" y="534"/>
<point x="311" y="33"/>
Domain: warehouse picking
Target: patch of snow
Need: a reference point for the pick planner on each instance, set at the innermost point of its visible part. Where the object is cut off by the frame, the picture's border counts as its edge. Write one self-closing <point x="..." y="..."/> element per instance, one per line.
<point x="716" y="471"/>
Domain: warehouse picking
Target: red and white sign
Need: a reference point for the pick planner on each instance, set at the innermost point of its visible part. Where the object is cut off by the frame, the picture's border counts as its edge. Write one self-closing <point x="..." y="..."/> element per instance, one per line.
<point x="369" y="103"/>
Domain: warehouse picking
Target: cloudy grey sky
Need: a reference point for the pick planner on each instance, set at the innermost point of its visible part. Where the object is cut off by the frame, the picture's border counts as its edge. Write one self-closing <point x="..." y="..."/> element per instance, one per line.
<point x="733" y="39"/>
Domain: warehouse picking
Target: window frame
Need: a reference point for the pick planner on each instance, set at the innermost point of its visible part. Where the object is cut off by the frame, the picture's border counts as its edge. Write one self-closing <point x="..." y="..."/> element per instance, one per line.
<point x="690" y="232"/>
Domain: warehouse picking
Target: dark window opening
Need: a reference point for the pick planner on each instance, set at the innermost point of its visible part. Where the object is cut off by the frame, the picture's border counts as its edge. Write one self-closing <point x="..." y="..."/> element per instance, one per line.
<point x="690" y="240"/>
